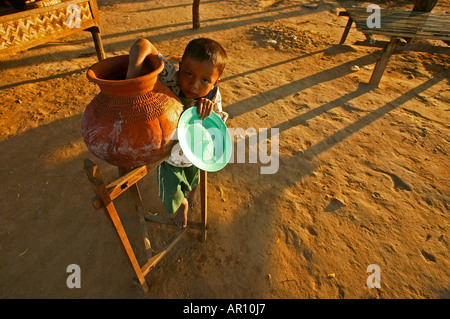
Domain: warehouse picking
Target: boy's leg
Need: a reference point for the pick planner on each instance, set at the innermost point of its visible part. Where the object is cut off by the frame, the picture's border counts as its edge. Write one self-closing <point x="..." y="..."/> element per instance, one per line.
<point x="192" y="197"/>
<point x="192" y="176"/>
<point x="174" y="183"/>
<point x="138" y="52"/>
<point x="181" y="215"/>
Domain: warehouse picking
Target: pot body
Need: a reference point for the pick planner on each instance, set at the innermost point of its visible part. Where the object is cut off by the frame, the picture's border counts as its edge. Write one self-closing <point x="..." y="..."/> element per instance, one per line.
<point x="131" y="122"/>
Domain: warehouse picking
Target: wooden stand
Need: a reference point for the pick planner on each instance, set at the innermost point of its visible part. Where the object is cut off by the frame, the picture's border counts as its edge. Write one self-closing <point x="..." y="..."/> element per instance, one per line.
<point x="105" y="194"/>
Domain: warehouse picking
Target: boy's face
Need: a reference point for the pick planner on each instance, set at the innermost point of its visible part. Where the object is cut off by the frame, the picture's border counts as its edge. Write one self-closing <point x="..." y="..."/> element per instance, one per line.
<point x="197" y="78"/>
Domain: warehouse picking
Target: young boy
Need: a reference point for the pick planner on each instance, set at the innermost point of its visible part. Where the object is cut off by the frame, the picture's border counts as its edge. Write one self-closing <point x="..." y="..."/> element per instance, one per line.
<point x="195" y="83"/>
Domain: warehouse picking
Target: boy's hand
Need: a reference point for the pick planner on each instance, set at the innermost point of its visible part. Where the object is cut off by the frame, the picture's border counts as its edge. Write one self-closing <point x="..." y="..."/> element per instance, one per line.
<point x="205" y="107"/>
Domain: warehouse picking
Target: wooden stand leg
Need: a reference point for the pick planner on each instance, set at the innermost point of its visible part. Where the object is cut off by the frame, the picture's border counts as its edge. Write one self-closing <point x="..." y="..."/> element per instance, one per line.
<point x="135" y="194"/>
<point x="347" y="29"/>
<point x="381" y="64"/>
<point x="99" y="187"/>
<point x="157" y="258"/>
<point x="139" y="206"/>
<point x="204" y="202"/>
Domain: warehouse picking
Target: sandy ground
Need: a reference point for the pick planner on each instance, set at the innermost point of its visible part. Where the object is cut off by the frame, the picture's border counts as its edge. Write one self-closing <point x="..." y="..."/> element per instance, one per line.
<point x="363" y="174"/>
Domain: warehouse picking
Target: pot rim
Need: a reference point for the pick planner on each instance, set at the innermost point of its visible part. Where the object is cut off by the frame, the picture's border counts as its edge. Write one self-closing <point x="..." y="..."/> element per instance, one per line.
<point x="153" y="59"/>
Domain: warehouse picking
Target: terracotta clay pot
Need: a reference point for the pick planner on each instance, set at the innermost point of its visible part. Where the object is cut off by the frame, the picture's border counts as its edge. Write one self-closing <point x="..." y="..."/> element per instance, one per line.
<point x="131" y="122"/>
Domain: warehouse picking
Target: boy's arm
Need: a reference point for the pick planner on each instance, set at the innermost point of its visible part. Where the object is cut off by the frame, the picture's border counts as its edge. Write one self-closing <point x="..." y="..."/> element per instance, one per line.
<point x="138" y="52"/>
<point x="218" y="106"/>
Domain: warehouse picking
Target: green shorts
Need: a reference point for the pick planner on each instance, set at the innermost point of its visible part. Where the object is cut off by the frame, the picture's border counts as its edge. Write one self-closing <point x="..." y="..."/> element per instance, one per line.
<point x="173" y="184"/>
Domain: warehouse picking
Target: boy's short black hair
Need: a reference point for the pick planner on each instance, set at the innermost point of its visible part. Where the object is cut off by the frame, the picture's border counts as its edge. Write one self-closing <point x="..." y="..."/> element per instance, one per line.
<point x="204" y="49"/>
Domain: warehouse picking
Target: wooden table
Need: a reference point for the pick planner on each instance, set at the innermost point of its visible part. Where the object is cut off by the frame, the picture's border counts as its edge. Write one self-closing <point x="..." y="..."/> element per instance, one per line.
<point x="403" y="27"/>
<point x="25" y="29"/>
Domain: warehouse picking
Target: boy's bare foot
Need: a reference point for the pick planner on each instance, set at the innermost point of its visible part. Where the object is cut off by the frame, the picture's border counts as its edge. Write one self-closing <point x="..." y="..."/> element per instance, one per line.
<point x="192" y="197"/>
<point x="181" y="215"/>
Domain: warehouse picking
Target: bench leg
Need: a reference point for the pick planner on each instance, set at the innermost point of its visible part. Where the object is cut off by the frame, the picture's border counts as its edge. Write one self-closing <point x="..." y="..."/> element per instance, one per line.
<point x="347" y="29"/>
<point x="383" y="61"/>
<point x="98" y="43"/>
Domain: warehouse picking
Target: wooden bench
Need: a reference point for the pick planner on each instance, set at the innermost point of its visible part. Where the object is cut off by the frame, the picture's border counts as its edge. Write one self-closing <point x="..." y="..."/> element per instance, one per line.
<point x="25" y="29"/>
<point x="402" y="27"/>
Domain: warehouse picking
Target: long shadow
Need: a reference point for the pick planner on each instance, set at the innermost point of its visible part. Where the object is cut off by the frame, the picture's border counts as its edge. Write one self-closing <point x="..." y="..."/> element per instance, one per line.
<point x="102" y="3"/>
<point x="353" y="128"/>
<point x="51" y="77"/>
<point x="230" y="25"/>
<point x="46" y="213"/>
<point x="265" y="207"/>
<point x="232" y="77"/>
<point x="189" y="23"/>
<point x="37" y="206"/>
<point x="211" y="28"/>
<point x="60" y="75"/>
<point x="303" y="118"/>
<point x="238" y="75"/>
<point x="254" y="102"/>
<point x="188" y="4"/>
<point x="339" y="136"/>
<point x="371" y="117"/>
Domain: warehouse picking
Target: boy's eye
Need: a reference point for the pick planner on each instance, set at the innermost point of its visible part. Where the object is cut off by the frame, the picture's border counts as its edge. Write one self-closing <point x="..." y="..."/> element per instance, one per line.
<point x="189" y="74"/>
<point x="206" y="81"/>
